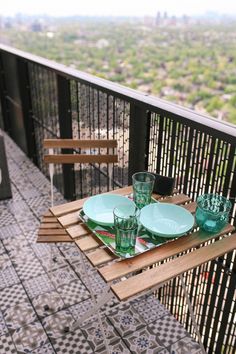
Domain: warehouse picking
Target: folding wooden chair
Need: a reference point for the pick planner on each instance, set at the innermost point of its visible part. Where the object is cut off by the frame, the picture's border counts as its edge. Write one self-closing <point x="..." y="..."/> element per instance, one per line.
<point x="76" y="157"/>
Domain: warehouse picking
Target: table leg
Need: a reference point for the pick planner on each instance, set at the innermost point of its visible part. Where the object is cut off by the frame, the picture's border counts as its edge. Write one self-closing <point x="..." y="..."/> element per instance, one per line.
<point x="96" y="305"/>
<point x="192" y="313"/>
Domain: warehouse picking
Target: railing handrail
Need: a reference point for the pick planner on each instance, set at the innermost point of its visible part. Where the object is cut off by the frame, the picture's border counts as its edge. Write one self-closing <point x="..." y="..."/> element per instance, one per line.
<point x="129" y="93"/>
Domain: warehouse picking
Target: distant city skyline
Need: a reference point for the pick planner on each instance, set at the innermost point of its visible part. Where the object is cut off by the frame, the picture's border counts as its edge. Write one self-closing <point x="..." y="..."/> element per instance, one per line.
<point x="117" y="8"/>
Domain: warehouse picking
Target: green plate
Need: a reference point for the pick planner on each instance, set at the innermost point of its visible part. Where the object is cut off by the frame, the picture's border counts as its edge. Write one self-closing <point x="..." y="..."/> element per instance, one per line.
<point x="166" y="220"/>
<point x="100" y="208"/>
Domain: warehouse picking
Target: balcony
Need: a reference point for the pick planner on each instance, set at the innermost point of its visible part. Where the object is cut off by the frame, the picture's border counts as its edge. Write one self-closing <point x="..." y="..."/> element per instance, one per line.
<point x="42" y="99"/>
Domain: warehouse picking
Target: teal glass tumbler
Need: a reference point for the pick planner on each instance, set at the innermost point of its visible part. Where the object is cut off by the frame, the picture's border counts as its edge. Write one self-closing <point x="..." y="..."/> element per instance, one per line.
<point x="143" y="183"/>
<point x="212" y="212"/>
<point x="126" y="223"/>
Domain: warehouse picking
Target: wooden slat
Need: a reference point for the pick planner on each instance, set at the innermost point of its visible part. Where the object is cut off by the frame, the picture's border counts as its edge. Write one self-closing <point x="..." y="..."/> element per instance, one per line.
<point x="161" y="274"/>
<point x="78" y="231"/>
<point x="100" y="256"/>
<point x="72" y="143"/>
<point x="49" y="232"/>
<point x="176" y="199"/>
<point x="191" y="207"/>
<point x="87" y="243"/>
<point x="76" y="205"/>
<point x="48" y="214"/>
<point x="124" y="267"/>
<point x="69" y="219"/>
<point x="51" y="225"/>
<point x="49" y="219"/>
<point x="54" y="239"/>
<point x="82" y="158"/>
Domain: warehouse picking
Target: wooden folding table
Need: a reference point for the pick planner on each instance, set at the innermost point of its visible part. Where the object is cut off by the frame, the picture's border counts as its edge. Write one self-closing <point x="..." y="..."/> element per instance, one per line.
<point x="128" y="278"/>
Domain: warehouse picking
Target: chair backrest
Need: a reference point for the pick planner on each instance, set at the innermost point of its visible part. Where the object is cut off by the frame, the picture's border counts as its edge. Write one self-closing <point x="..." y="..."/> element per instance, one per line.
<point x="55" y="158"/>
<point x="77" y="157"/>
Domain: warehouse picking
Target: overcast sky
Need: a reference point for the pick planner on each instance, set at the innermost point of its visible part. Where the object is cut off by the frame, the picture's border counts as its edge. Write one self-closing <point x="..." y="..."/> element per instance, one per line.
<point x="116" y="7"/>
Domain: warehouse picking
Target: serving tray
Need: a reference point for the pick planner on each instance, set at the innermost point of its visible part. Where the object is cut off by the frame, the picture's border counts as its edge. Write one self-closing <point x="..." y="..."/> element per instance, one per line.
<point x="145" y="240"/>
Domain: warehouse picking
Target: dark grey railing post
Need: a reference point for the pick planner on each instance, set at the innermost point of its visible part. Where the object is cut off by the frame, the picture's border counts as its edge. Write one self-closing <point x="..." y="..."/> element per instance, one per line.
<point x="26" y="104"/>
<point x="3" y="100"/>
<point x="138" y="138"/>
<point x="65" y="120"/>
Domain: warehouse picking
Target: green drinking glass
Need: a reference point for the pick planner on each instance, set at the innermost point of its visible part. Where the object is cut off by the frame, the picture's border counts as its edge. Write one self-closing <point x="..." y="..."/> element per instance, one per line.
<point x="126" y="223"/>
<point x="143" y="183"/>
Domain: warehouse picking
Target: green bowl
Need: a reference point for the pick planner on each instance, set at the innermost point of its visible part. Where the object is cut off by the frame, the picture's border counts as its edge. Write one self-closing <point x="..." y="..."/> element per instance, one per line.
<point x="212" y="212"/>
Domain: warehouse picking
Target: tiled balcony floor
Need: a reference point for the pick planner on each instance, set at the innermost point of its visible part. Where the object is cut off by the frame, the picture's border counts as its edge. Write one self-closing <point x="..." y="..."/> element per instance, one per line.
<point x="26" y="324"/>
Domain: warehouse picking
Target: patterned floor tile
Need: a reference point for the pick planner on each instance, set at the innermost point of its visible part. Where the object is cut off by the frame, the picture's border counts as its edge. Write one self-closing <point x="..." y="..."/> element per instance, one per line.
<point x="149" y="308"/>
<point x="117" y="348"/>
<point x="30" y="337"/>
<point x="2" y="248"/>
<point x="185" y="346"/>
<point x="126" y="321"/>
<point x="48" y="303"/>
<point x="30" y="192"/>
<point x="72" y="343"/>
<point x="8" y="277"/>
<point x="53" y="264"/>
<point x="19" y="243"/>
<point x="38" y="285"/>
<point x="63" y="276"/>
<point x="29" y="268"/>
<point x="9" y="231"/>
<point x="21" y="211"/>
<point x="168" y="330"/>
<point x="31" y="236"/>
<point x="72" y="254"/>
<point x="58" y="324"/>
<point x="4" y="261"/>
<point x="94" y="336"/>
<point x="19" y="315"/>
<point x="6" y="218"/>
<point x="97" y="283"/>
<point x="31" y="224"/>
<point x="43" y="250"/>
<point x="12" y="296"/>
<point x="3" y="327"/>
<point x="73" y="293"/>
<point x="80" y="309"/>
<point x="46" y="349"/>
<point x="7" y="345"/>
<point x="143" y="341"/>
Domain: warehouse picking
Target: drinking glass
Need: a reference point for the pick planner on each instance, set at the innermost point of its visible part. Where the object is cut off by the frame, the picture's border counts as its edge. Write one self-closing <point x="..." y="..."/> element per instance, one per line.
<point x="212" y="212"/>
<point x="126" y="223"/>
<point x="143" y="183"/>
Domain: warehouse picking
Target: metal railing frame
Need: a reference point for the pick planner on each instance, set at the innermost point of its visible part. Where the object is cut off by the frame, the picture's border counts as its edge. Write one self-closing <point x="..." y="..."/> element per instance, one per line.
<point x="153" y="124"/>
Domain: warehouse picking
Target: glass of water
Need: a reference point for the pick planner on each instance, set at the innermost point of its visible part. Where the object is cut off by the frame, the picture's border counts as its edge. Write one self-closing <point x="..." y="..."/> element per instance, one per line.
<point x="126" y="222"/>
<point x="143" y="183"/>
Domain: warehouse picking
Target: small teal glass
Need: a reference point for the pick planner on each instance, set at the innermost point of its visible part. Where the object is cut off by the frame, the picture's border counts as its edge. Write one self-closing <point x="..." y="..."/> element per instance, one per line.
<point x="126" y="223"/>
<point x="143" y="183"/>
<point x="212" y="212"/>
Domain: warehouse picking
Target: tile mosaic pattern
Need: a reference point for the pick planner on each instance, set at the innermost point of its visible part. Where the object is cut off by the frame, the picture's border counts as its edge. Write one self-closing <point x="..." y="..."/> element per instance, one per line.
<point x="19" y="315"/>
<point x="73" y="292"/>
<point x="168" y="330"/>
<point x="48" y="303"/>
<point x="7" y="345"/>
<point x="29" y="337"/>
<point x="73" y="343"/>
<point x="143" y="341"/>
<point x="39" y="304"/>
<point x="58" y="324"/>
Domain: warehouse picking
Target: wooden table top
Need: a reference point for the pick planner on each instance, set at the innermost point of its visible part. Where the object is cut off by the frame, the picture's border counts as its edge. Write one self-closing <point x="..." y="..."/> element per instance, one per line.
<point x="61" y="224"/>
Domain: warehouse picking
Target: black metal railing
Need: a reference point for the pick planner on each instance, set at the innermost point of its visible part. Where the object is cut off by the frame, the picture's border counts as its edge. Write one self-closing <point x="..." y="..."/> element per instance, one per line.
<point x="42" y="99"/>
